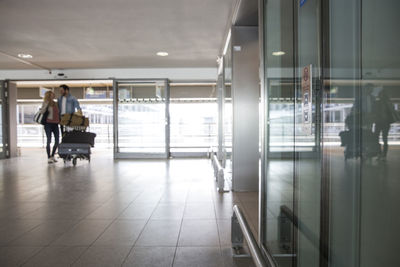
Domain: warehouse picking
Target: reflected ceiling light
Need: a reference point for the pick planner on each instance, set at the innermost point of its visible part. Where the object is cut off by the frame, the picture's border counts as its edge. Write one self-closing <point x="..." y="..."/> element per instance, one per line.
<point x="162" y="54"/>
<point x="278" y="53"/>
<point x="25" y="56"/>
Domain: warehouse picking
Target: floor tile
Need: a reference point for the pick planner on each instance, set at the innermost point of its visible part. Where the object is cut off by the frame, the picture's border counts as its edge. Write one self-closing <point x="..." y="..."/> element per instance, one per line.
<point x="230" y="261"/>
<point x="199" y="233"/>
<point x="224" y="231"/>
<point x="150" y="257"/>
<point x="55" y="256"/>
<point x="121" y="233"/>
<point x="110" y="210"/>
<point x="198" y="257"/>
<point x="125" y="197"/>
<point x="63" y="211"/>
<point x="15" y="256"/>
<point x="168" y="211"/>
<point x="83" y="234"/>
<point x="114" y="211"/>
<point x="199" y="211"/>
<point x="138" y="211"/>
<point x="103" y="256"/>
<point x="13" y="229"/>
<point x="160" y="233"/>
<point x="45" y="233"/>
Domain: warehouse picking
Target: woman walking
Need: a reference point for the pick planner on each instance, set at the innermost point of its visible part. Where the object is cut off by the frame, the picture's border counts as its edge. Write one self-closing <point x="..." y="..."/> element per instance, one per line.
<point x="51" y="125"/>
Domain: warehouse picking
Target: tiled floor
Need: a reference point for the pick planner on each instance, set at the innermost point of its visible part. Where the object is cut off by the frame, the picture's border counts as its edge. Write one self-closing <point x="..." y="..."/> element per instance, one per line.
<point x="116" y="213"/>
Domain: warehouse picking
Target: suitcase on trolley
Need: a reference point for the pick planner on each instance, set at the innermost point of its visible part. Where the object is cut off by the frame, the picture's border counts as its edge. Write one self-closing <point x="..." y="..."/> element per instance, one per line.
<point x="73" y="151"/>
<point x="78" y="137"/>
<point x="359" y="143"/>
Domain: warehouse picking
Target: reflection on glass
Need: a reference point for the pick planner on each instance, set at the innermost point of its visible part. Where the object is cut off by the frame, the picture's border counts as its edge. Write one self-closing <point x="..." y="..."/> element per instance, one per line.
<point x="332" y="152"/>
<point x="361" y="133"/>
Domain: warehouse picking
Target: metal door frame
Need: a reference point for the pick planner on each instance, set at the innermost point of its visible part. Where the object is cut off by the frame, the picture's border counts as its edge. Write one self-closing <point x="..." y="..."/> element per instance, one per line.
<point x="4" y="116"/>
<point x="133" y="155"/>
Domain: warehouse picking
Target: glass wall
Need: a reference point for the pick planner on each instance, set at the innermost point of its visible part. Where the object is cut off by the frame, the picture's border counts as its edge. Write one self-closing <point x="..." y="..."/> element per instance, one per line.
<point x="141" y="118"/>
<point x="332" y="132"/>
<point x="194" y="118"/>
<point x="278" y="234"/>
<point x="361" y="97"/>
<point x="193" y="125"/>
<point x="31" y="134"/>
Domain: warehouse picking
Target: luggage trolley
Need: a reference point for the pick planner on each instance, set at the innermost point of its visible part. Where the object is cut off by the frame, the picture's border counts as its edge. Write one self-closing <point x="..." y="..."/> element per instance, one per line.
<point x="76" y="144"/>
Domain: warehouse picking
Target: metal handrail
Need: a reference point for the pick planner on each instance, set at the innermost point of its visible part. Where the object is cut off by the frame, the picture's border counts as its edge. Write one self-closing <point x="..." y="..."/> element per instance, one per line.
<point x="255" y="251"/>
<point x="218" y="173"/>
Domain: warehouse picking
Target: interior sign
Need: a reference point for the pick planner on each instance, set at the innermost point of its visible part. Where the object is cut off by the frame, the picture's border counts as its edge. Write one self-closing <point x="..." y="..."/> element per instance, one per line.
<point x="306" y="92"/>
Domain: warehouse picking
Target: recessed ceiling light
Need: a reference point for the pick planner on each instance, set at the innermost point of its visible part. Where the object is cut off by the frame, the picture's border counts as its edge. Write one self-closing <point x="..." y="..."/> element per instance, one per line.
<point x="278" y="53"/>
<point x="25" y="56"/>
<point x="162" y="54"/>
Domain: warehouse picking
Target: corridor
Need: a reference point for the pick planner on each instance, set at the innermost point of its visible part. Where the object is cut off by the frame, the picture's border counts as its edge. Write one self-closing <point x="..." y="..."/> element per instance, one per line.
<point x="115" y="212"/>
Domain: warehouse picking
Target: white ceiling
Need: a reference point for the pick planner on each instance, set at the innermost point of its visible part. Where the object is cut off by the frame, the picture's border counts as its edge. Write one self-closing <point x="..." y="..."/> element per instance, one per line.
<point x="63" y="34"/>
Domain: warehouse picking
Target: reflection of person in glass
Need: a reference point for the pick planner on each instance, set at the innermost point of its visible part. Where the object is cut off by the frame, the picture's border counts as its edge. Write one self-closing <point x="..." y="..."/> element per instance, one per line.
<point x="385" y="115"/>
<point x="360" y="140"/>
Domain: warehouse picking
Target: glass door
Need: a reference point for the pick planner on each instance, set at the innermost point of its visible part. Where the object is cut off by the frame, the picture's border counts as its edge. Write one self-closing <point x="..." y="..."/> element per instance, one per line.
<point x="141" y="115"/>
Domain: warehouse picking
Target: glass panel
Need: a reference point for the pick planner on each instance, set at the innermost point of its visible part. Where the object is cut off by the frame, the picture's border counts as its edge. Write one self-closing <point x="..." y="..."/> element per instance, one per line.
<point x="194" y="116"/>
<point x="307" y="131"/>
<point x="141" y="117"/>
<point x="278" y="229"/>
<point x="193" y="125"/>
<point x="228" y="116"/>
<point x="361" y="132"/>
<point x="1" y="119"/>
<point x="380" y="117"/>
<point x="341" y="94"/>
<point x="31" y="134"/>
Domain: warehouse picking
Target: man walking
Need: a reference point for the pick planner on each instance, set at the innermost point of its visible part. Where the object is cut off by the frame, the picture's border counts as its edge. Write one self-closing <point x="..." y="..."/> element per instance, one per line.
<point x="67" y="104"/>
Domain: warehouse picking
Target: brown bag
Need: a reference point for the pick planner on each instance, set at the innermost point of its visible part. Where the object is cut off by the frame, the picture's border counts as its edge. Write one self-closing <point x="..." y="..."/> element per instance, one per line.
<point x="74" y="120"/>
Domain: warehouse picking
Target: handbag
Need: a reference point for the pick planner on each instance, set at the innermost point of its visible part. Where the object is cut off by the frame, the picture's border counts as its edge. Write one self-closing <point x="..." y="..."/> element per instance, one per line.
<point x="40" y="117"/>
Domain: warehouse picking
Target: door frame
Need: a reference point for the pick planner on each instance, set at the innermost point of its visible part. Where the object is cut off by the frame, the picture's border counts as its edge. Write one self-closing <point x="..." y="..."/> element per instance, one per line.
<point x="133" y="155"/>
<point x="4" y="118"/>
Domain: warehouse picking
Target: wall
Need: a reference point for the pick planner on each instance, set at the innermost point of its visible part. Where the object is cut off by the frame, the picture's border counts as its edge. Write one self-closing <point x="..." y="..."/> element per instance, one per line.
<point x="170" y="73"/>
<point x="245" y="99"/>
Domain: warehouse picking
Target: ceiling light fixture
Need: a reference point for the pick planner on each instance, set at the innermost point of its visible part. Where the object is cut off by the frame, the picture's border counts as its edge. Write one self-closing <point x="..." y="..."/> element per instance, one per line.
<point x="25" y="56"/>
<point x="162" y="54"/>
<point x="278" y="53"/>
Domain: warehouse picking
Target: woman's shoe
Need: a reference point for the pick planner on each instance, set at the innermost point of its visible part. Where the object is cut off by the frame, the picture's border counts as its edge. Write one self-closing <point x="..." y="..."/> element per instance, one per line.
<point x="50" y="160"/>
<point x="54" y="159"/>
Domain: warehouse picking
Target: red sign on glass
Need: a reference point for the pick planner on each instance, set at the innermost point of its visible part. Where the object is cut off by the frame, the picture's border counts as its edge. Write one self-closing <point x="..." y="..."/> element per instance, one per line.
<point x="306" y="92"/>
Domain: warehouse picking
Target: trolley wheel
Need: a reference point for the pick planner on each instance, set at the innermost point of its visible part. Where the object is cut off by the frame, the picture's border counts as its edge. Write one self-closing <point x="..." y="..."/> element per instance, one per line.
<point x="74" y="161"/>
